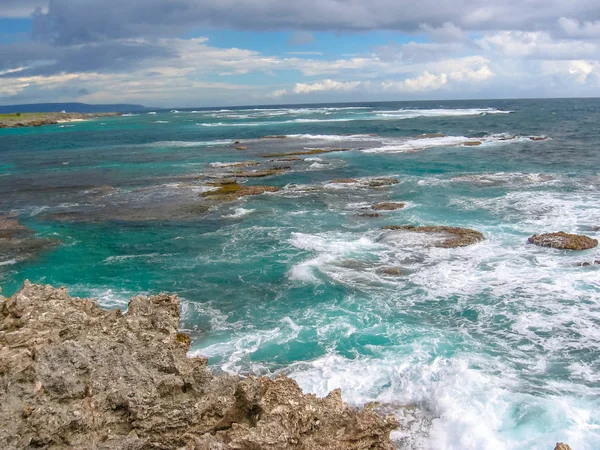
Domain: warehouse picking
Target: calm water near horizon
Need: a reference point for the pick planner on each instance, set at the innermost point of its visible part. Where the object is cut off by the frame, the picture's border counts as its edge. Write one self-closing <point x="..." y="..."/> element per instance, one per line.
<point x="490" y="346"/>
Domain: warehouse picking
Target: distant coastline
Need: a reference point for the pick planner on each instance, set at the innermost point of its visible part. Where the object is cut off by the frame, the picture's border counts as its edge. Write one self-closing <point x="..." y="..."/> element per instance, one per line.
<point x="19" y="120"/>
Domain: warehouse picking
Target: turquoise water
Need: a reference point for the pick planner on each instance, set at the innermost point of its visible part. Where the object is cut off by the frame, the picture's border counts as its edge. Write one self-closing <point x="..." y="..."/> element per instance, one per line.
<point x="492" y="346"/>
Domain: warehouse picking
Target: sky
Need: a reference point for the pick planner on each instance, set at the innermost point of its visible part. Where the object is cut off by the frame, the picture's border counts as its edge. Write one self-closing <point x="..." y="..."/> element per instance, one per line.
<point x="195" y="53"/>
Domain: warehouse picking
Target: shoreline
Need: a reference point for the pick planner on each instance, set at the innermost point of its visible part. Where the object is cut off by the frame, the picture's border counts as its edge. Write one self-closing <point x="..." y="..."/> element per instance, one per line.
<point x="40" y="119"/>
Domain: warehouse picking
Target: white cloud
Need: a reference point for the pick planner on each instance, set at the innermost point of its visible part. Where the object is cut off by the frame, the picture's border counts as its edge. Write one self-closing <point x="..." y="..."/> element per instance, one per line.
<point x="536" y="45"/>
<point x="278" y="93"/>
<point x="326" y="85"/>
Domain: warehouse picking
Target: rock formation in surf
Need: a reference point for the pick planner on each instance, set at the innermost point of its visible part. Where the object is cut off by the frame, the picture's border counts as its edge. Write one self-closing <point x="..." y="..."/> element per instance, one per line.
<point x="563" y="241"/>
<point x="388" y="206"/>
<point x="73" y="375"/>
<point x="452" y="236"/>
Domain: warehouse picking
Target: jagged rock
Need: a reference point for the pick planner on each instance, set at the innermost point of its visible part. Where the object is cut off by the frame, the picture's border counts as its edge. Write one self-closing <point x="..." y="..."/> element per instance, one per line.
<point x="563" y="241"/>
<point x="370" y="215"/>
<point x="561" y="446"/>
<point x="388" y="206"/>
<point x="455" y="237"/>
<point x="73" y="375"/>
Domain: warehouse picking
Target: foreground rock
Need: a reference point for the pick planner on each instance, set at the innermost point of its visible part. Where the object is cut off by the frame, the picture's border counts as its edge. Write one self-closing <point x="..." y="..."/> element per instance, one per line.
<point x="451" y="236"/>
<point x="563" y="241"/>
<point x="37" y="120"/>
<point x="73" y="375"/>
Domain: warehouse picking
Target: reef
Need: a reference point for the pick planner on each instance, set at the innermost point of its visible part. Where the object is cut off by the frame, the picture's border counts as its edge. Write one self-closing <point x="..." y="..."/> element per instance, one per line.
<point x="453" y="236"/>
<point x="18" y="242"/>
<point x="73" y="375"/>
<point x="229" y="190"/>
<point x="563" y="241"/>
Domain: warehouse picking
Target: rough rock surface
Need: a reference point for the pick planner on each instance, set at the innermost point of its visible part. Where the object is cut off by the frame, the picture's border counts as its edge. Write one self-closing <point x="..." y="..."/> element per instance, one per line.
<point x="456" y="237"/>
<point x="561" y="446"/>
<point x="563" y="241"/>
<point x="73" y="375"/>
<point x="388" y="206"/>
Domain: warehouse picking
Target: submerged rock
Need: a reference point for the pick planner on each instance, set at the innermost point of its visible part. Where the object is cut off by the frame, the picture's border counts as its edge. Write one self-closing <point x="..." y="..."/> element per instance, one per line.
<point x="17" y="242"/>
<point x="472" y="143"/>
<point x="563" y="241"/>
<point x="230" y="190"/>
<point x="453" y="236"/>
<point x="241" y="147"/>
<point x="388" y="206"/>
<point x="73" y="375"/>
<point x="390" y="271"/>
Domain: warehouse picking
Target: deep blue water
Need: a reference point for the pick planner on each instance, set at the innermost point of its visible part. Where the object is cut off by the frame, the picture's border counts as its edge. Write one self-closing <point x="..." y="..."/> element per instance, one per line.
<point x="490" y="346"/>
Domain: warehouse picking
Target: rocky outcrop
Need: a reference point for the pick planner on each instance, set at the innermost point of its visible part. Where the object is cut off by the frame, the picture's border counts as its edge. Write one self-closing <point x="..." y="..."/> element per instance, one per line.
<point x="380" y="182"/>
<point x="38" y="120"/>
<point x="563" y="241"/>
<point x="73" y="375"/>
<point x="451" y="236"/>
<point x="388" y="206"/>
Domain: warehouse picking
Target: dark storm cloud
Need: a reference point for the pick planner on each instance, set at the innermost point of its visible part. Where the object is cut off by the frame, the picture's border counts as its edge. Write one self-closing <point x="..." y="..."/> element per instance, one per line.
<point x="75" y="21"/>
<point x="109" y="56"/>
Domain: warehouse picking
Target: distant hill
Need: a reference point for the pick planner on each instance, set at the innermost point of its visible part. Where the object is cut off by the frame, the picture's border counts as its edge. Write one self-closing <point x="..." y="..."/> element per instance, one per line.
<point x="70" y="107"/>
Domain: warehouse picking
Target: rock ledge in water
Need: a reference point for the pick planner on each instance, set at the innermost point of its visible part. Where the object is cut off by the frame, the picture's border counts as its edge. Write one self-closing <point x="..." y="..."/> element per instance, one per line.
<point x="73" y="375"/>
<point x="456" y="237"/>
<point x="563" y="241"/>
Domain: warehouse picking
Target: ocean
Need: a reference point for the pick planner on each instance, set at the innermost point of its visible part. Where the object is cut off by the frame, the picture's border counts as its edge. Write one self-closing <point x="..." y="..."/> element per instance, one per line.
<point x="495" y="345"/>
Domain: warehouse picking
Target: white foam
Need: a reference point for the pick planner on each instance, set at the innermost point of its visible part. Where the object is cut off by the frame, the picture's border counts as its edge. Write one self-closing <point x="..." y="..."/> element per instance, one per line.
<point x="417" y="144"/>
<point x="438" y="112"/>
<point x="151" y="113"/>
<point x="239" y="212"/>
<point x="9" y="262"/>
<point x="190" y="143"/>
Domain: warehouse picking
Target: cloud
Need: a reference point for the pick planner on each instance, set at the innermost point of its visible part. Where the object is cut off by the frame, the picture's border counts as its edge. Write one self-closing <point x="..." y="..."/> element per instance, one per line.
<point x="448" y="32"/>
<point x="536" y="45"/>
<point x="84" y="20"/>
<point x="575" y="28"/>
<point x="326" y="85"/>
